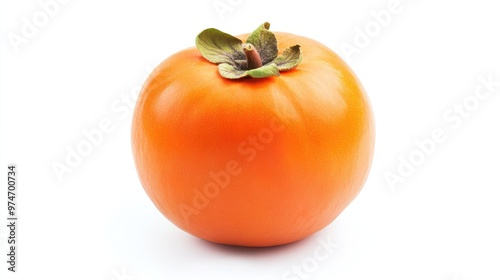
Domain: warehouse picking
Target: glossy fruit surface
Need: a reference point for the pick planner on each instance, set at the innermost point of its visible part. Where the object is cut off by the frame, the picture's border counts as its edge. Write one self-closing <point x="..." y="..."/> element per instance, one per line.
<point x="253" y="162"/>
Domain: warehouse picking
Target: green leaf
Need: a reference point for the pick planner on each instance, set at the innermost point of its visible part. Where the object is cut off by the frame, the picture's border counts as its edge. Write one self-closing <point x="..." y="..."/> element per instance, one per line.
<point x="265" y="42"/>
<point x="289" y="59"/>
<point x="236" y="60"/>
<point x="219" y="47"/>
<point x="230" y="71"/>
<point x="265" y="71"/>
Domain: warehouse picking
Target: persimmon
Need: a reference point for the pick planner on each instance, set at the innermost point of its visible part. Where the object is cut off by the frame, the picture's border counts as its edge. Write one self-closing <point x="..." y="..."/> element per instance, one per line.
<point x="259" y="143"/>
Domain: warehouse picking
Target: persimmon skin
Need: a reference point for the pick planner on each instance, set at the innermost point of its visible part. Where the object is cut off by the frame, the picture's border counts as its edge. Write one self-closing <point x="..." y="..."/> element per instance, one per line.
<point x="190" y="123"/>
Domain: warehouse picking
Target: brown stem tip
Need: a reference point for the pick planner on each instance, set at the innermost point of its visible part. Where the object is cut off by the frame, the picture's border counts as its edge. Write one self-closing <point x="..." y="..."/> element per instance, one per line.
<point x="253" y="58"/>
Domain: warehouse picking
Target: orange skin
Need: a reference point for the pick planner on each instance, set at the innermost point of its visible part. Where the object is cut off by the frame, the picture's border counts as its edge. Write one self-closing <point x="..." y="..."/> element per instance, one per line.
<point x="291" y="152"/>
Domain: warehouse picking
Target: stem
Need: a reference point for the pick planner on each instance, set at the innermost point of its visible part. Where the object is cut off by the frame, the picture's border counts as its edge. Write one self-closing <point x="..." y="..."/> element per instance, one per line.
<point x="253" y="57"/>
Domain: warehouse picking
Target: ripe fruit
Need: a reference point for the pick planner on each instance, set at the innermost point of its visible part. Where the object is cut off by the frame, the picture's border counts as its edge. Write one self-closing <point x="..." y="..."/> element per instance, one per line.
<point x="244" y="154"/>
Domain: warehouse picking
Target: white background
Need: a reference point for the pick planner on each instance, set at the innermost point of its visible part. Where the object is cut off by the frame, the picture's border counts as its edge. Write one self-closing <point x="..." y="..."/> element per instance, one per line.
<point x="82" y="65"/>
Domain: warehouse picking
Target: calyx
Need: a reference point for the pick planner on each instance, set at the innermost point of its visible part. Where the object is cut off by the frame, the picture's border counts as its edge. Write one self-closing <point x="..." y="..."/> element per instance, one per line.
<point x="257" y="57"/>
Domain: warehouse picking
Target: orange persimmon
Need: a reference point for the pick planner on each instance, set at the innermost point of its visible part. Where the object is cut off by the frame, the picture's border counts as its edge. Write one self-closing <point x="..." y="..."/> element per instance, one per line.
<point x="248" y="153"/>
